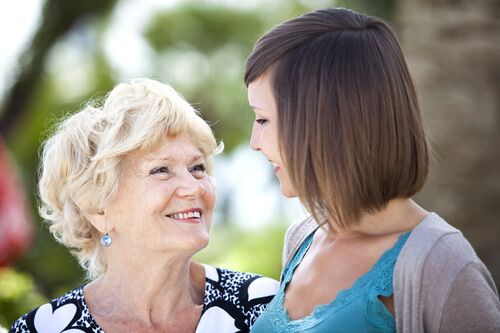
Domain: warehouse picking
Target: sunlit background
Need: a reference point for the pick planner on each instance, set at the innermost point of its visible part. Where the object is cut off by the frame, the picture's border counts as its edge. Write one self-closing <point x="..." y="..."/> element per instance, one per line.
<point x="56" y="54"/>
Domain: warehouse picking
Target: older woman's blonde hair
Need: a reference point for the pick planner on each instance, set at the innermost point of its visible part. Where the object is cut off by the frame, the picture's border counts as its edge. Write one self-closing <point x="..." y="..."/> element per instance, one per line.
<point x="80" y="163"/>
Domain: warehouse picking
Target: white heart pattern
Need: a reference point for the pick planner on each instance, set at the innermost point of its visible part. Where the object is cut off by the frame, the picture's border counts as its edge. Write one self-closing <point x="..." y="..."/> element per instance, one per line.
<point x="216" y="315"/>
<point x="48" y="321"/>
<point x="211" y="273"/>
<point x="262" y="287"/>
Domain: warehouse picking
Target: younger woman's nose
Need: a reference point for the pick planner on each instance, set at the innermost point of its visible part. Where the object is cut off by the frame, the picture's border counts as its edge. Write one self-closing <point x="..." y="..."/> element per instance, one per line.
<point x="255" y="139"/>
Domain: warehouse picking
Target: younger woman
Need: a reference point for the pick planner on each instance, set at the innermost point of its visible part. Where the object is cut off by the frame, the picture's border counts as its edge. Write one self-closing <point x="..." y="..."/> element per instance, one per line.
<point x="338" y="117"/>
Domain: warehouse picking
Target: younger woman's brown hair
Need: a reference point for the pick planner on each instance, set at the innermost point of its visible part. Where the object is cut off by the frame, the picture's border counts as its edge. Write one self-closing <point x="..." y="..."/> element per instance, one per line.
<point x="348" y="116"/>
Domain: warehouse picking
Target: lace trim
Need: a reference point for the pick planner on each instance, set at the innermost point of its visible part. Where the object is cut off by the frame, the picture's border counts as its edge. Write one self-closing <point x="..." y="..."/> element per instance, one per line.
<point x="377" y="281"/>
<point x="378" y="315"/>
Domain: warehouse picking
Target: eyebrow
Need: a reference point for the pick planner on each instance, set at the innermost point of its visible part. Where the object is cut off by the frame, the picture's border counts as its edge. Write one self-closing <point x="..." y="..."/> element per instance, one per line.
<point x="170" y="159"/>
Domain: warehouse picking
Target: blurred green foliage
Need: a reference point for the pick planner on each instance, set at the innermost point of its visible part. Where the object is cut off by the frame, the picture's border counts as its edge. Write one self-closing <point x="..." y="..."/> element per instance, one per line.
<point x="256" y="251"/>
<point x="381" y="8"/>
<point x="205" y="27"/>
<point x="18" y="295"/>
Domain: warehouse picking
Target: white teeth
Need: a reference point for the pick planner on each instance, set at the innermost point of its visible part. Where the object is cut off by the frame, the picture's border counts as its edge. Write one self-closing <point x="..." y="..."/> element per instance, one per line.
<point x="183" y="216"/>
<point x="275" y="165"/>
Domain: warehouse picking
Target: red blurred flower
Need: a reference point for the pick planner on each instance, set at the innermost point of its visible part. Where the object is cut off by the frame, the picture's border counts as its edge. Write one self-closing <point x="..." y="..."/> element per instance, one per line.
<point x="15" y="218"/>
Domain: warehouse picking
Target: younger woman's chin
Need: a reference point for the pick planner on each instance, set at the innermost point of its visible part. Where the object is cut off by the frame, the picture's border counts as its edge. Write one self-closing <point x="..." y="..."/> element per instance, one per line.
<point x="288" y="192"/>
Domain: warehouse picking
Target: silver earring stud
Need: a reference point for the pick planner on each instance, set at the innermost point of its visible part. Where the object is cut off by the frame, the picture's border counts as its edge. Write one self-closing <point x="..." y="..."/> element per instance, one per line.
<point x="106" y="240"/>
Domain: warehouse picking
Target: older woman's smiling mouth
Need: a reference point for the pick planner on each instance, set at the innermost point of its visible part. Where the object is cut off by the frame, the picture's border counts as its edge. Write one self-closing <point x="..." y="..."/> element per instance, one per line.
<point x="189" y="216"/>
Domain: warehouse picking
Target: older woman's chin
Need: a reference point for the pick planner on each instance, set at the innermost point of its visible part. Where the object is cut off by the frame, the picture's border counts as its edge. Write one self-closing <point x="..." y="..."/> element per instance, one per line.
<point x="196" y="241"/>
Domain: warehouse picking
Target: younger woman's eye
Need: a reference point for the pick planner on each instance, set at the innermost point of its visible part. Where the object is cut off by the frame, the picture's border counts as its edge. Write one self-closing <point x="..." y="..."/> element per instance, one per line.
<point x="158" y="170"/>
<point x="198" y="170"/>
<point x="261" y="121"/>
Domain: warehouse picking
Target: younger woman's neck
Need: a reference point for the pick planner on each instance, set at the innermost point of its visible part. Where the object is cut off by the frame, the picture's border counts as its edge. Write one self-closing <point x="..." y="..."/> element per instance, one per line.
<point x="399" y="216"/>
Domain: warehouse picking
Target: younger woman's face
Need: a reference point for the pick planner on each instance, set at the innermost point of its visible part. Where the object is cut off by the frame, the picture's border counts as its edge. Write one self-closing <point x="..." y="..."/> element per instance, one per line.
<point x="265" y="130"/>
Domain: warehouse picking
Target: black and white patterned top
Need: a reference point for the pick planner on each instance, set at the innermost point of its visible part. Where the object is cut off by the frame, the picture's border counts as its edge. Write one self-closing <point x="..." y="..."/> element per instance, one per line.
<point x="232" y="303"/>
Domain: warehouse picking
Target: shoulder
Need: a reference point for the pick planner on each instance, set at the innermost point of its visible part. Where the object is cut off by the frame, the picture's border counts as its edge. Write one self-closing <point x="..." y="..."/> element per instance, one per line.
<point x="301" y="227"/>
<point x="234" y="299"/>
<point x="54" y="316"/>
<point x="437" y="247"/>
<point x="472" y="303"/>
<point x="434" y="262"/>
<point x="295" y="235"/>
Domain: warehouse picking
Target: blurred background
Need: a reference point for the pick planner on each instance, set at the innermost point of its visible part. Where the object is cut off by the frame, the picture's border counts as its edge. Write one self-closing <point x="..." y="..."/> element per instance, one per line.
<point x="57" y="54"/>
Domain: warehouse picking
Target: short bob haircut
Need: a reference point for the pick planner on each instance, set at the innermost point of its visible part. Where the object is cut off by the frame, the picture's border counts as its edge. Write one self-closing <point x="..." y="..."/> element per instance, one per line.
<point x="348" y="116"/>
<point x="81" y="162"/>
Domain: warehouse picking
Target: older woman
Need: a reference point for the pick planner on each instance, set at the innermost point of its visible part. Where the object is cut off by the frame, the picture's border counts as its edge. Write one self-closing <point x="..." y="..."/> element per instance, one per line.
<point x="127" y="189"/>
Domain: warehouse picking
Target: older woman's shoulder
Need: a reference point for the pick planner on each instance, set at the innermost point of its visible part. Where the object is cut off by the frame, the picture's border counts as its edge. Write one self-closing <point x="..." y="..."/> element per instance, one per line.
<point x="64" y="313"/>
<point x="234" y="299"/>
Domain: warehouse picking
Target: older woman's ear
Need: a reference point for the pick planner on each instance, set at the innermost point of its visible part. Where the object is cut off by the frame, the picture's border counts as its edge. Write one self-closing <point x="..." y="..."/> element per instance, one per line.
<point x="99" y="221"/>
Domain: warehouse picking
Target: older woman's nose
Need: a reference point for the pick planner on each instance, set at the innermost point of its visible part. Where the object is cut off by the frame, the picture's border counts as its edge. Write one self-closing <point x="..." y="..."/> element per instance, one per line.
<point x="190" y="187"/>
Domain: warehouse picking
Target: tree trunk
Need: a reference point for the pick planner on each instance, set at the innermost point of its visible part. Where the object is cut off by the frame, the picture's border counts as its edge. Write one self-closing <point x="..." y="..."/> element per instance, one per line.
<point x="453" y="50"/>
<point x="58" y="18"/>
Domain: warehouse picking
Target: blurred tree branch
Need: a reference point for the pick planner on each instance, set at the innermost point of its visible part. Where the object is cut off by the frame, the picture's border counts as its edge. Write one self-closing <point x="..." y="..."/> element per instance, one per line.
<point x="58" y="18"/>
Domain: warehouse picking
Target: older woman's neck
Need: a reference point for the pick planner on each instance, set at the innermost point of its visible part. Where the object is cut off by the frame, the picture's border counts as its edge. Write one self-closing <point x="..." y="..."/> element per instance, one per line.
<point x="147" y="290"/>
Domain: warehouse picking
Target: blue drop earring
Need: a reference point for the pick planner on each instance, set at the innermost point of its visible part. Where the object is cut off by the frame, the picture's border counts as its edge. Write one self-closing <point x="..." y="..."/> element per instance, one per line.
<point x="106" y="240"/>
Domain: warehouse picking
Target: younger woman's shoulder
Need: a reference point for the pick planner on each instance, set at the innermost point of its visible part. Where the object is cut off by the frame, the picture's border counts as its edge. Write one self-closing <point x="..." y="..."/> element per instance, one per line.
<point x="439" y="270"/>
<point x="437" y="241"/>
<point x="60" y="314"/>
<point x="295" y="235"/>
<point x="436" y="255"/>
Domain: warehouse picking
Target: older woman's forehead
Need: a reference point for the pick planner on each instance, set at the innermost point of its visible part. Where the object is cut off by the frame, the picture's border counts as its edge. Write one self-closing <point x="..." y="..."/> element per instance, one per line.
<point x="187" y="156"/>
<point x="172" y="151"/>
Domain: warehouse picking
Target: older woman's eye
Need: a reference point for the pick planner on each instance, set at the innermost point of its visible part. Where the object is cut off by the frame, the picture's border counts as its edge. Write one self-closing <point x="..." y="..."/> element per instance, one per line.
<point x="198" y="170"/>
<point x="159" y="170"/>
<point x="261" y="121"/>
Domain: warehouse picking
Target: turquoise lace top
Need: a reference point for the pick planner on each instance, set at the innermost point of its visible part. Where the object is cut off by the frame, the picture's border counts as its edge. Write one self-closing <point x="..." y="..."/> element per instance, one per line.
<point x="357" y="309"/>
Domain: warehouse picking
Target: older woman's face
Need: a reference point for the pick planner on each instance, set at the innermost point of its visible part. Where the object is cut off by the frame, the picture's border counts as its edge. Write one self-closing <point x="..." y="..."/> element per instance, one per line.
<point x="165" y="198"/>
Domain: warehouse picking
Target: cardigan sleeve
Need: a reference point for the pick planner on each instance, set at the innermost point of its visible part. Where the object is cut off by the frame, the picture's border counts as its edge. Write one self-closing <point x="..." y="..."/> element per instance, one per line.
<point x="440" y="285"/>
<point x="472" y="303"/>
<point x="295" y="235"/>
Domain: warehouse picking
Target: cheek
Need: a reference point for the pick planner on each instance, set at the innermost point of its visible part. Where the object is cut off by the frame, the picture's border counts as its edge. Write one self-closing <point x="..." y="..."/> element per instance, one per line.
<point x="269" y="138"/>
<point x="209" y="195"/>
<point x="158" y="196"/>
